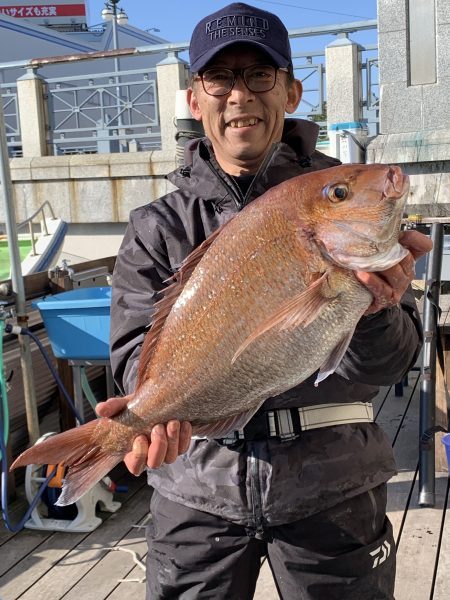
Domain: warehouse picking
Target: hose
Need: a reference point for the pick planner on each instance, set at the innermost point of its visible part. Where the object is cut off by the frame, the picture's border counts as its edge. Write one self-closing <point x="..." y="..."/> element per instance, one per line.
<point x="87" y="389"/>
<point x="4" y="403"/>
<point x="21" y="331"/>
<point x="4" y="424"/>
<point x="4" y="413"/>
<point x="4" y="428"/>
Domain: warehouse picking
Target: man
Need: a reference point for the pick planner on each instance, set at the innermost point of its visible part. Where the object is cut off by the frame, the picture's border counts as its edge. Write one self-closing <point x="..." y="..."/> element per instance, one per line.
<point x="315" y="502"/>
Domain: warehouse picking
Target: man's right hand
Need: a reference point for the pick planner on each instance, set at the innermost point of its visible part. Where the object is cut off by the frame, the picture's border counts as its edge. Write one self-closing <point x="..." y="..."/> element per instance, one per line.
<point x="165" y="444"/>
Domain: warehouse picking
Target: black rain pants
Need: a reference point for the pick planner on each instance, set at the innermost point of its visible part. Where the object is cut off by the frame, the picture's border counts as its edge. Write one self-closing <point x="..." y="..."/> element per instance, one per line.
<point x="344" y="553"/>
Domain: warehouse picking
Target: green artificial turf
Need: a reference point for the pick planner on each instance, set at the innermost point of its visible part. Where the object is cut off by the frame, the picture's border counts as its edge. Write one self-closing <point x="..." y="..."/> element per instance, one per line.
<point x="5" y="264"/>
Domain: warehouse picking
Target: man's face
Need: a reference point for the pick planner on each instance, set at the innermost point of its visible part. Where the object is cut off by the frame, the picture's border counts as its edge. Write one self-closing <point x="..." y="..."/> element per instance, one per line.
<point x="242" y="125"/>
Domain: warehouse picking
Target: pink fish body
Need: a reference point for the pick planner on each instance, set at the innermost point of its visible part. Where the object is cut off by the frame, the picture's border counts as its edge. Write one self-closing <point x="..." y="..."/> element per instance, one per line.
<point x="265" y="302"/>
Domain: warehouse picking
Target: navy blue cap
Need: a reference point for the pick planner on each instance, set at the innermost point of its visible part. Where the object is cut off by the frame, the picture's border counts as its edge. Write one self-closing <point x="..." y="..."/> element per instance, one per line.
<point x="237" y="23"/>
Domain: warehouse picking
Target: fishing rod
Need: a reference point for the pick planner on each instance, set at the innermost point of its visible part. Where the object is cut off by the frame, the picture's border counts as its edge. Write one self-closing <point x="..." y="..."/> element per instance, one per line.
<point x="432" y="352"/>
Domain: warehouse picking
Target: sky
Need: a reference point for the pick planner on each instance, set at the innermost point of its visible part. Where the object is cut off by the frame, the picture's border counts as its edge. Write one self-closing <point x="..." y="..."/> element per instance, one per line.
<point x="176" y="18"/>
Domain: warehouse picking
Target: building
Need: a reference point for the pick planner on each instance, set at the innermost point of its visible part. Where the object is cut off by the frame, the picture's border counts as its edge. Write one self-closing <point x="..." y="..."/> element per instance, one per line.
<point x="60" y="27"/>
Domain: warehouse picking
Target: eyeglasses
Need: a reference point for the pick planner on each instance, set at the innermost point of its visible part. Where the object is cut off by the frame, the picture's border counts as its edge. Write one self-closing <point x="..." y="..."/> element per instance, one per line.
<point x="258" y="78"/>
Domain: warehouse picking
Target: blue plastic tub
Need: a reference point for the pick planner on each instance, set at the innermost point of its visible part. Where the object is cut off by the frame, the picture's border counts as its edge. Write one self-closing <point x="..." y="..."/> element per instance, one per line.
<point x="446" y="441"/>
<point x="77" y="322"/>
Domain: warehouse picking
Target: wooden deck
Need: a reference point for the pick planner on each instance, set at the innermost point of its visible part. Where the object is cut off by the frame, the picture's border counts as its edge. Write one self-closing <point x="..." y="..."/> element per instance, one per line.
<point x="38" y="565"/>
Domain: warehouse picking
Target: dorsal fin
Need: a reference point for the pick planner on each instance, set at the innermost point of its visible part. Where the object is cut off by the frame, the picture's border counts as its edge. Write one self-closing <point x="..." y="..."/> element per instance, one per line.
<point x="169" y="297"/>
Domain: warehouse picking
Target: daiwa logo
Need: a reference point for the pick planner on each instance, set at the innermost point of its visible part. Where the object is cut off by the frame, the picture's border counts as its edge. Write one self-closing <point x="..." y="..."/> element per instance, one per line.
<point x="381" y="554"/>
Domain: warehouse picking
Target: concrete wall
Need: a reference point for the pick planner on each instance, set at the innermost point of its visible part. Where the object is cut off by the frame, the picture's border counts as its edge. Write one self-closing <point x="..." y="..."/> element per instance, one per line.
<point x="94" y="188"/>
<point x="414" y="105"/>
<point x="406" y="107"/>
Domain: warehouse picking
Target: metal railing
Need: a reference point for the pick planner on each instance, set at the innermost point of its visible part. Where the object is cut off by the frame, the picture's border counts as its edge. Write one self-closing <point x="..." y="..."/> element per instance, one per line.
<point x="309" y="68"/>
<point x="312" y="76"/>
<point x="31" y="223"/>
<point x="8" y="92"/>
<point x="118" y="111"/>
<point x="98" y="113"/>
<point x="372" y="85"/>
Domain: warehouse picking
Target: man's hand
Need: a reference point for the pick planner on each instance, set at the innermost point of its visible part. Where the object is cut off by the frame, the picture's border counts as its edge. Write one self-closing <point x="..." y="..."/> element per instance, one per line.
<point x="389" y="286"/>
<point x="165" y="444"/>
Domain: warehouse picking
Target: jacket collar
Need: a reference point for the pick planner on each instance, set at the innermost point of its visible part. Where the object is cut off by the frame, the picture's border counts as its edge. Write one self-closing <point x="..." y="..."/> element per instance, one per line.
<point x="297" y="145"/>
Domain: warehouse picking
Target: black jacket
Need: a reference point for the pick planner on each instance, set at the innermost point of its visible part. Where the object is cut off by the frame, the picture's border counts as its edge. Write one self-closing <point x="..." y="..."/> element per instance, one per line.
<point x="263" y="482"/>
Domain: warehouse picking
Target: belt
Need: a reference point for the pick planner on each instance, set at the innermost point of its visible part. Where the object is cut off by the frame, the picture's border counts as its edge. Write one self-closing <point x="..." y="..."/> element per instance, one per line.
<point x="288" y="423"/>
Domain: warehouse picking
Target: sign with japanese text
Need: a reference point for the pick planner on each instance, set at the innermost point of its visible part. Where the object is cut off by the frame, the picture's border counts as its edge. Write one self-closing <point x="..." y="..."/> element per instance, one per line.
<point x="59" y="11"/>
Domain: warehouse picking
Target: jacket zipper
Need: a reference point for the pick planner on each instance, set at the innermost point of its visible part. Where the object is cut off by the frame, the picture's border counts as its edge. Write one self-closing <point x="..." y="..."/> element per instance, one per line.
<point x="262" y="167"/>
<point x="235" y="192"/>
<point x="255" y="489"/>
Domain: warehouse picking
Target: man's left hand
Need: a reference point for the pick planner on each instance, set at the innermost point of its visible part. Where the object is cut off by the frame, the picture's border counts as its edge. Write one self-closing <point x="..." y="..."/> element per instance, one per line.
<point x="389" y="286"/>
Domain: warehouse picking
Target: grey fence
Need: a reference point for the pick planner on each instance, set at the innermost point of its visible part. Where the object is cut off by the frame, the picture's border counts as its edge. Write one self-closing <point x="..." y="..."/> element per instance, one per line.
<point x="8" y="93"/>
<point x="103" y="112"/>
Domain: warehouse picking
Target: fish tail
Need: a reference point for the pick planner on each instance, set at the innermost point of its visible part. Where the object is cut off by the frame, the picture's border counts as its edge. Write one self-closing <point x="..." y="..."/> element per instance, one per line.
<point x="78" y="450"/>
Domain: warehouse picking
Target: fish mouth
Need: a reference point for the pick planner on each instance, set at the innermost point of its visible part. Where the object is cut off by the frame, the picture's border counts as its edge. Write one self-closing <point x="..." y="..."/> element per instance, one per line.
<point x="379" y="254"/>
<point x="366" y="238"/>
<point x="376" y="262"/>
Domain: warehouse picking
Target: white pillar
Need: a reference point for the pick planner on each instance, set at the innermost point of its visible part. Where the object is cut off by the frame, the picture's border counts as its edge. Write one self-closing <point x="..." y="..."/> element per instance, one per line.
<point x="32" y="114"/>
<point x="344" y="93"/>
<point x="172" y="75"/>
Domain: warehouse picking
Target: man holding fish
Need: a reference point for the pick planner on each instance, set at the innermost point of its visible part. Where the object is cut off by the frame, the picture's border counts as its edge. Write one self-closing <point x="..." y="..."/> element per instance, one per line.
<point x="304" y="481"/>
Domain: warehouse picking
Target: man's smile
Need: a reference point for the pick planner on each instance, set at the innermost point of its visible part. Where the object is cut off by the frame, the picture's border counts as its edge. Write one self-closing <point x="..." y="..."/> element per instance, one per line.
<point x="242" y="122"/>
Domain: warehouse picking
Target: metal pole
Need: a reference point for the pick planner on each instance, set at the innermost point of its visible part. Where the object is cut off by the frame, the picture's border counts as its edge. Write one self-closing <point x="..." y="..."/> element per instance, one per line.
<point x="117" y="68"/>
<point x="18" y="286"/>
<point x="115" y="38"/>
<point x="428" y="371"/>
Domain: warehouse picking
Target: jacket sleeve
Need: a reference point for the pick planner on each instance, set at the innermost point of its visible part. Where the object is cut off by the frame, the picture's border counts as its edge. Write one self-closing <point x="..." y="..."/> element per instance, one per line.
<point x="385" y="345"/>
<point x="139" y="274"/>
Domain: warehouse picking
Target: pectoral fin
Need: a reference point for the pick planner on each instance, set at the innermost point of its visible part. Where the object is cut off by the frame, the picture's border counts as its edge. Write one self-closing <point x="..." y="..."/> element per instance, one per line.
<point x="299" y="311"/>
<point x="220" y="429"/>
<point x="333" y="361"/>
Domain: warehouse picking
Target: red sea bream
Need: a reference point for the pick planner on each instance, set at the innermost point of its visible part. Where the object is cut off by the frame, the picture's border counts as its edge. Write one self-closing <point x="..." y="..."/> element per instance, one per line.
<point x="265" y="302"/>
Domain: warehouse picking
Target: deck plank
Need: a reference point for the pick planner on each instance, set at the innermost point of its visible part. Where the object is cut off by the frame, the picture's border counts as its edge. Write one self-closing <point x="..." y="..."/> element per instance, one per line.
<point x="416" y="529"/>
<point x="405" y="444"/>
<point x="137" y="590"/>
<point x="265" y="586"/>
<point x="16" y="511"/>
<point x="442" y="584"/>
<point x="42" y="563"/>
<point x="418" y="544"/>
<point x="38" y="563"/>
<point x="25" y="543"/>
<point x="116" y="565"/>
<point x="60" y="566"/>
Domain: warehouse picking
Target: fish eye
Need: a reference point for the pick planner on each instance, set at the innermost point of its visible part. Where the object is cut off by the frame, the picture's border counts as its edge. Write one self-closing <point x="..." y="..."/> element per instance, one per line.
<point x="338" y="193"/>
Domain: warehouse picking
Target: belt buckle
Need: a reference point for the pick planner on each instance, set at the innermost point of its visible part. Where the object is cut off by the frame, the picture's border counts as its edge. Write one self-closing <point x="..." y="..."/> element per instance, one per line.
<point x="287" y="424"/>
<point x="281" y="423"/>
